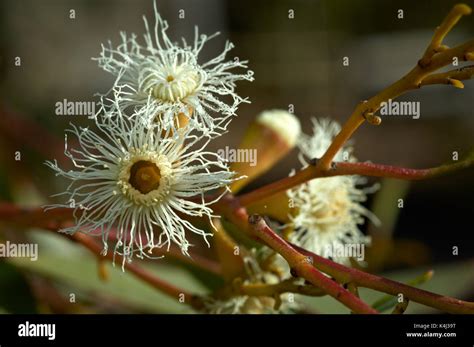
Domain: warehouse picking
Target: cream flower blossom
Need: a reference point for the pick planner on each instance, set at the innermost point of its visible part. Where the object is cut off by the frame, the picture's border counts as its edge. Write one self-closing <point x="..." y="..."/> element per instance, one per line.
<point x="327" y="211"/>
<point x="171" y="73"/>
<point x="262" y="266"/>
<point x="138" y="183"/>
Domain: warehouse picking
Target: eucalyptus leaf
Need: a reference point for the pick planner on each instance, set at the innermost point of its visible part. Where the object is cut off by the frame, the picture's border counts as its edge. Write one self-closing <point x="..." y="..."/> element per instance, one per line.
<point x="80" y="270"/>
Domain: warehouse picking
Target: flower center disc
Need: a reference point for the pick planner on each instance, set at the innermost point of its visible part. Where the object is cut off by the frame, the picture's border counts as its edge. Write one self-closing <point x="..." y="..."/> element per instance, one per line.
<point x="175" y="82"/>
<point x="144" y="176"/>
<point x="336" y="210"/>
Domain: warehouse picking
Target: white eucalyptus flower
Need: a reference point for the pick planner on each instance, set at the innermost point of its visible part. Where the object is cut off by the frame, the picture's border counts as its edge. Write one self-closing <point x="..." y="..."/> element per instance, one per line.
<point x="262" y="267"/>
<point x="172" y="74"/>
<point x="327" y="211"/>
<point x="139" y="183"/>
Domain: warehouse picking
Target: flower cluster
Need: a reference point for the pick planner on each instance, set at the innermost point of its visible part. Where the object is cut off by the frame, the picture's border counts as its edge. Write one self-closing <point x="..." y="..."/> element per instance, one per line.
<point x="262" y="267"/>
<point x="142" y="172"/>
<point x="326" y="212"/>
<point x="143" y="179"/>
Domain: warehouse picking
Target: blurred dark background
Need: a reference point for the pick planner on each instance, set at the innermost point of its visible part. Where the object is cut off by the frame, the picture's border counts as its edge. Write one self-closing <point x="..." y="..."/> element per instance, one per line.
<point x="297" y="61"/>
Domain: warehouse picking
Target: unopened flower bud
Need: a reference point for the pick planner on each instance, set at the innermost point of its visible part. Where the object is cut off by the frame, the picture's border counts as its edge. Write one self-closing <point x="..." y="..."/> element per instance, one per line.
<point x="271" y="136"/>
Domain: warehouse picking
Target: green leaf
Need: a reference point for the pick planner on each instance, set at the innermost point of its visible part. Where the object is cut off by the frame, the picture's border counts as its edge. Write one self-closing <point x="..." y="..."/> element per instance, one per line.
<point x="70" y="264"/>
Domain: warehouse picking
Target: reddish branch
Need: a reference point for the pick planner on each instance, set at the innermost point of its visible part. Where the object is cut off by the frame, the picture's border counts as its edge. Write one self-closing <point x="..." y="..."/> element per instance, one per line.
<point x="57" y="218"/>
<point x="23" y="132"/>
<point x="35" y="217"/>
<point x="345" y="168"/>
<point x="296" y="257"/>
<point x="232" y="209"/>
<point x="148" y="277"/>
<point x="303" y="268"/>
<point x="346" y="274"/>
